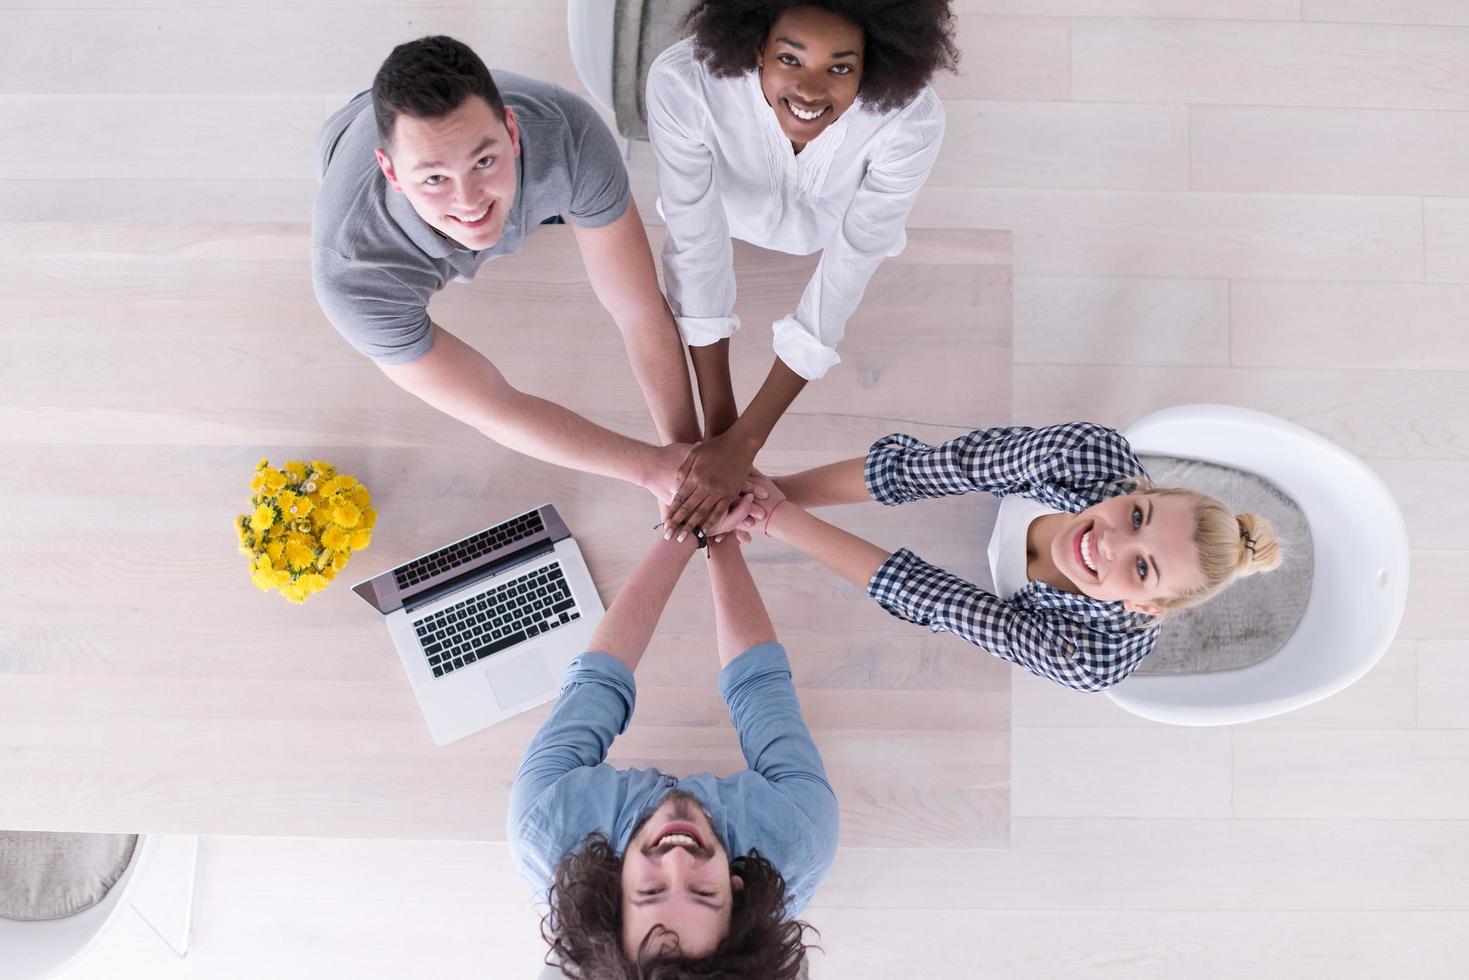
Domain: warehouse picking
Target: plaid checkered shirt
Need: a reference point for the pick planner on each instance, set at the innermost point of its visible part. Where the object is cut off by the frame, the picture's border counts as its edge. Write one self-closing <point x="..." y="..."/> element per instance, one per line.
<point x="1084" y="643"/>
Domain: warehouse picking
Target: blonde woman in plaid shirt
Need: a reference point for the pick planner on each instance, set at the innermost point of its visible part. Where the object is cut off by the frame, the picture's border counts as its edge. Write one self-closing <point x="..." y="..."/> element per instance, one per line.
<point x="1106" y="556"/>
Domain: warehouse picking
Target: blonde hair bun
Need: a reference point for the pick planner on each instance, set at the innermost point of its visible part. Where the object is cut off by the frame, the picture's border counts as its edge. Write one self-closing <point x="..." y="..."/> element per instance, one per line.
<point x="1259" y="549"/>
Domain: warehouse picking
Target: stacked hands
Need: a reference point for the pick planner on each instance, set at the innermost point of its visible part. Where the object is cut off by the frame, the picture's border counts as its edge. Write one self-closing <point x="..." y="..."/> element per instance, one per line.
<point x="711" y="486"/>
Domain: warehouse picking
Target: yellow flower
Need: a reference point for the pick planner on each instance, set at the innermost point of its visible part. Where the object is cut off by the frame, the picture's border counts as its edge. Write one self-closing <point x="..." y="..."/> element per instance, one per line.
<point x="299" y="554"/>
<point x="345" y="513"/>
<point x="262" y="519"/>
<point x="312" y="582"/>
<point x="293" y="506"/>
<point x="266" y="579"/>
<point x="303" y="524"/>
<point x="333" y="539"/>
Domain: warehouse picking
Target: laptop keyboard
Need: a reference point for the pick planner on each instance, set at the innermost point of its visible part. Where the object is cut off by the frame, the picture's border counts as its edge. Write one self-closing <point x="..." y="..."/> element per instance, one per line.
<point x="450" y="557"/>
<point x="476" y="628"/>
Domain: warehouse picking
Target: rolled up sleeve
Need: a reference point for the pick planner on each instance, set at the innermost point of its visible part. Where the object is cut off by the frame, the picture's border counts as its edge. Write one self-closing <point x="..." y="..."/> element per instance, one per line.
<point x="871" y="230"/>
<point x="776" y="743"/>
<point x="596" y="703"/>
<point x="912" y="589"/>
<point x="698" y="255"/>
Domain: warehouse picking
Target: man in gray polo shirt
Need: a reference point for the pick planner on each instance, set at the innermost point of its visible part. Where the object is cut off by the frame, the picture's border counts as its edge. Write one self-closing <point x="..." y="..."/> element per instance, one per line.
<point x="443" y="166"/>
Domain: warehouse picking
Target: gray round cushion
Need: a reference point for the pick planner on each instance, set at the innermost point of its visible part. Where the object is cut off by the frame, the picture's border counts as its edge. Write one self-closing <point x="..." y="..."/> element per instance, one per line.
<point x="51" y="876"/>
<point x="1252" y="619"/>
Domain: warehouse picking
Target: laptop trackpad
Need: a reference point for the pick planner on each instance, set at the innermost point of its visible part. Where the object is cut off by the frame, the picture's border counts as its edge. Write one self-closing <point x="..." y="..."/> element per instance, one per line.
<point x="517" y="681"/>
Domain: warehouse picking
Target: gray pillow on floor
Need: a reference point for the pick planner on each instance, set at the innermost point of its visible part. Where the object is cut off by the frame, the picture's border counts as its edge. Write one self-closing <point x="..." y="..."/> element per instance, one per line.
<point x="1255" y="616"/>
<point x="51" y="876"/>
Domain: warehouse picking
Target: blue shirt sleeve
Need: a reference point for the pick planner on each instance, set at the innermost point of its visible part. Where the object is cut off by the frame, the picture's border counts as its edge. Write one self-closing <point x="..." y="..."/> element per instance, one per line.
<point x="779" y="750"/>
<point x="563" y="791"/>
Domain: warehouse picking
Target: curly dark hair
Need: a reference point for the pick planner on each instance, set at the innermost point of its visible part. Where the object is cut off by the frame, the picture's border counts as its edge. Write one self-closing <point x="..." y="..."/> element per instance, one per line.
<point x="906" y="41"/>
<point x="583" y="925"/>
<point x="429" y="78"/>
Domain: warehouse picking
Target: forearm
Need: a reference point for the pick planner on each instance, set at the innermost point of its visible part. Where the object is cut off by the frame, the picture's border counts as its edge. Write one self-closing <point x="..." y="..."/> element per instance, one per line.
<point x="620" y="268"/>
<point x="628" y="625"/>
<point x="461" y="382"/>
<point x="826" y="486"/>
<point x="740" y="618"/>
<point x="851" y="557"/>
<point x="655" y="351"/>
<point x="779" y="390"/>
<point x="536" y="427"/>
<point x="716" y="391"/>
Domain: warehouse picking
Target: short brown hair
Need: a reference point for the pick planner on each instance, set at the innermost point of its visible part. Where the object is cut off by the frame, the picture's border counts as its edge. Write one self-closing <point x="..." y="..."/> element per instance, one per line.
<point x="427" y="79"/>
<point x="583" y="925"/>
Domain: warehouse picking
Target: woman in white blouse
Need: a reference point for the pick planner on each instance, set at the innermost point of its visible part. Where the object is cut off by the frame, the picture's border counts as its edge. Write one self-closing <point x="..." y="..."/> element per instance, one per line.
<point x="797" y="128"/>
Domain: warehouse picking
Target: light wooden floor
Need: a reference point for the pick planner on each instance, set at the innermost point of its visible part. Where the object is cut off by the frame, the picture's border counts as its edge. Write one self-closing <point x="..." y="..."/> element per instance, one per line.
<point x="1264" y="202"/>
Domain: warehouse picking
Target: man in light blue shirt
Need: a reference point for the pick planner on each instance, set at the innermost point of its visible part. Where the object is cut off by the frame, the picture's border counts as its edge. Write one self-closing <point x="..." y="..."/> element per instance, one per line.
<point x="644" y="867"/>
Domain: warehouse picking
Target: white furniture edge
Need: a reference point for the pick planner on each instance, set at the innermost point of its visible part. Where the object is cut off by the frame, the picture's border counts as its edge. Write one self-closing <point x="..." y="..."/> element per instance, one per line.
<point x="1359" y="587"/>
<point x="589" y="27"/>
<point x="99" y="919"/>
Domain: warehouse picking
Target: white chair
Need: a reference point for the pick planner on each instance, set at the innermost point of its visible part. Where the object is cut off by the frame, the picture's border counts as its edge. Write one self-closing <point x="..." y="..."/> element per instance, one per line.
<point x="591" y="27"/>
<point x="613" y="45"/>
<point x="49" y="948"/>
<point x="38" y="950"/>
<point x="1359" y="586"/>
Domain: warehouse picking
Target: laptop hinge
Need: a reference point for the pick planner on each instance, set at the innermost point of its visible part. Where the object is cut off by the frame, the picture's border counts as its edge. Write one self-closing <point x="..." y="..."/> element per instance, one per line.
<point x="438" y="590"/>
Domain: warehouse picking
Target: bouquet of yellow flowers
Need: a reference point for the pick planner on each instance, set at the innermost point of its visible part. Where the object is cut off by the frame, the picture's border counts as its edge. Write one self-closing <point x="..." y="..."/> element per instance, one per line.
<point x="304" y="523"/>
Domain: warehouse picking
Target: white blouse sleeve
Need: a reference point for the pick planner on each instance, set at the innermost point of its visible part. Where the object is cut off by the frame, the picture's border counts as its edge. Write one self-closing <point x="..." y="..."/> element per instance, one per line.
<point x="871" y="229"/>
<point x="698" y="256"/>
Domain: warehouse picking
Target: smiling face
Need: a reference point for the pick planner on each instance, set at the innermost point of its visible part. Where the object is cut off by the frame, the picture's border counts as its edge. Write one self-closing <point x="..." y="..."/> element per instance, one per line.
<point x="675" y="874"/>
<point x="810" y="70"/>
<point x="458" y="171"/>
<point x="1136" y="549"/>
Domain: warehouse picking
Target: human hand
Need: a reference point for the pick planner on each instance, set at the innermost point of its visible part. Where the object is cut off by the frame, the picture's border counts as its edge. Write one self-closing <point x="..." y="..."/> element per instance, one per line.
<point x="771" y="496"/>
<point x="710" y="482"/>
<point x="745" y="509"/>
<point x="772" y="493"/>
<point x="661" y="470"/>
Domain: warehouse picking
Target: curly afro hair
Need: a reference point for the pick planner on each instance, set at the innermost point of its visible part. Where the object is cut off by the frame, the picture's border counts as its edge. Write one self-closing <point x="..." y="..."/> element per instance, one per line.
<point x="583" y="924"/>
<point x="906" y="41"/>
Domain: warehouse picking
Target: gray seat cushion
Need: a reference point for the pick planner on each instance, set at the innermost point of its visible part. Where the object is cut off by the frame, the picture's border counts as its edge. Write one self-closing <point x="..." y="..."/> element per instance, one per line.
<point x="51" y="876"/>
<point x="1255" y="616"/>
<point x="644" y="28"/>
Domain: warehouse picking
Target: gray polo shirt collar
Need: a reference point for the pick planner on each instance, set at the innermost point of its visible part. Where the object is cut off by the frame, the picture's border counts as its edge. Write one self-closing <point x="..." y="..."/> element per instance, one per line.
<point x="422" y="234"/>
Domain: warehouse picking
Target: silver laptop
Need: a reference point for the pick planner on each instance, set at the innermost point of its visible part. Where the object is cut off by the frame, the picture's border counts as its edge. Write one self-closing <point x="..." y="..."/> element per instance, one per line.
<point x="486" y="626"/>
